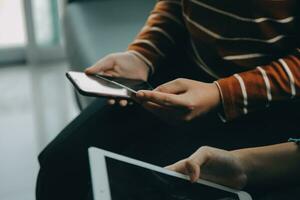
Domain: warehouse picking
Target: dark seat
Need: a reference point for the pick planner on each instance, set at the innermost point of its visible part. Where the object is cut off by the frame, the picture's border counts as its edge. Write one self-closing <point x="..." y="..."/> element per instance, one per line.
<point x="95" y="28"/>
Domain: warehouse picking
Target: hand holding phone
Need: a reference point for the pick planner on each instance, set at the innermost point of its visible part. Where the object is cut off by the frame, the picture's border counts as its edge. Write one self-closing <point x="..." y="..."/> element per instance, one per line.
<point x="127" y="64"/>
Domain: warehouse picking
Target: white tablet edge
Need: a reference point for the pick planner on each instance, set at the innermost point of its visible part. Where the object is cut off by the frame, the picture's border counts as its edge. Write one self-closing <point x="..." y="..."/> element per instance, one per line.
<point x="100" y="181"/>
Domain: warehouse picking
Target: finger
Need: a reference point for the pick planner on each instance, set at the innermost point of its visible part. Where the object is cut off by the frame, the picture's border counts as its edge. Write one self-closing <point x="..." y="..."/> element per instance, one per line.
<point x="105" y="74"/>
<point x="173" y="87"/>
<point x="123" y="103"/>
<point x="104" y="64"/>
<point x="194" y="163"/>
<point x="160" y="98"/>
<point x="187" y="167"/>
<point x="193" y="170"/>
<point x="179" y="167"/>
<point x="111" y="102"/>
<point x="190" y="166"/>
<point x="110" y="73"/>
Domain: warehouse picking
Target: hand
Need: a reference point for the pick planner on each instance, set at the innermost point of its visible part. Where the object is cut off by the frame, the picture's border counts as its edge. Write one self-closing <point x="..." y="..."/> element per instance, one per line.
<point x="182" y="99"/>
<point x="125" y="65"/>
<point x="216" y="165"/>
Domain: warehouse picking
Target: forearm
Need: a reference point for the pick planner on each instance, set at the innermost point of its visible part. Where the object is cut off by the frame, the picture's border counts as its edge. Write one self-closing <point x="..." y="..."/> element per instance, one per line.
<point x="261" y="88"/>
<point x="275" y="164"/>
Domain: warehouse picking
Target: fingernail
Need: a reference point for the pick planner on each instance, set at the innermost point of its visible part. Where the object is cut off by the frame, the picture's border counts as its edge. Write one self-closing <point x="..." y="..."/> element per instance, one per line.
<point x="140" y="94"/>
<point x="123" y="104"/>
<point x="111" y="102"/>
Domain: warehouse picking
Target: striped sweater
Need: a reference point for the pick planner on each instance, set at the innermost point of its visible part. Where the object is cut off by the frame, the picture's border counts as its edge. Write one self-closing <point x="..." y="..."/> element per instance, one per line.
<point x="251" y="47"/>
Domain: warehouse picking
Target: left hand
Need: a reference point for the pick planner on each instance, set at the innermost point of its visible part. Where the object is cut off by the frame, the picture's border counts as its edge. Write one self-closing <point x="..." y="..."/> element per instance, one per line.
<point x="123" y="64"/>
<point x="181" y="99"/>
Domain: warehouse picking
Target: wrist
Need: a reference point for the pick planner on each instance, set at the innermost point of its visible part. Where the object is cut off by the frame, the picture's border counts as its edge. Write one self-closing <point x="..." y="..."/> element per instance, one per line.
<point x="217" y="97"/>
<point x="245" y="164"/>
<point x="220" y="110"/>
<point x="147" y="67"/>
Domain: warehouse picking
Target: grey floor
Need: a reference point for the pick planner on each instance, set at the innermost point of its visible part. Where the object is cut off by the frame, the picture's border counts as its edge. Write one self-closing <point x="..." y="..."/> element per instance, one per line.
<point x="36" y="102"/>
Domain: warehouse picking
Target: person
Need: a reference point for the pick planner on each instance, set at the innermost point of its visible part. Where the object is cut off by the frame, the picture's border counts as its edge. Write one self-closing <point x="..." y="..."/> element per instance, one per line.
<point x="268" y="166"/>
<point x="250" y="49"/>
<point x="220" y="61"/>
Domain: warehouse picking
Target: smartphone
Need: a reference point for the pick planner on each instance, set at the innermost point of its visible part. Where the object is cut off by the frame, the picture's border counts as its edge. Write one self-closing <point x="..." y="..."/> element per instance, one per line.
<point x="104" y="86"/>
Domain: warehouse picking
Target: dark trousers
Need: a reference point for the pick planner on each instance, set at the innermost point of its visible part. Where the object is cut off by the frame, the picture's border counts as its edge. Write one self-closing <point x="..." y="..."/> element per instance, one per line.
<point x="132" y="131"/>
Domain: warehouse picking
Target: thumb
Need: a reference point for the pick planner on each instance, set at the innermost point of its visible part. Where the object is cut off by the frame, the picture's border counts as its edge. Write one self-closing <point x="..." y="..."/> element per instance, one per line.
<point x="188" y="167"/>
<point x="193" y="170"/>
<point x="195" y="162"/>
<point x="106" y="63"/>
<point x="178" y="167"/>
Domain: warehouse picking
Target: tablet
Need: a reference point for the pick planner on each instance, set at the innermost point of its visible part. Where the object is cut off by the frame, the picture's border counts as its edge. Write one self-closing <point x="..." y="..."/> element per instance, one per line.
<point x="102" y="86"/>
<point x="116" y="177"/>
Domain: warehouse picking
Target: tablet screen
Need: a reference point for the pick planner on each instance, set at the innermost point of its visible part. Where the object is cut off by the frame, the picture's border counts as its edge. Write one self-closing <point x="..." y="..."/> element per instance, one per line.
<point x="132" y="182"/>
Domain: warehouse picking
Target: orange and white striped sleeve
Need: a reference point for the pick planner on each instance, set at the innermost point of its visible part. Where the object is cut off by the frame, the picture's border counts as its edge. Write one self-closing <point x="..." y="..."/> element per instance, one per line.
<point x="259" y="88"/>
<point x="163" y="32"/>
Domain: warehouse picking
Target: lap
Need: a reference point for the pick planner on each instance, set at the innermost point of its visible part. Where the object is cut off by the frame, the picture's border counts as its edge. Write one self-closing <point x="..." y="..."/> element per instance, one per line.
<point x="133" y="132"/>
<point x="121" y="129"/>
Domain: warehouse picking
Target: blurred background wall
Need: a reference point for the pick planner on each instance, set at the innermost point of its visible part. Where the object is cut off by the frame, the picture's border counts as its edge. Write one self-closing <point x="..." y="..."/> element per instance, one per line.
<point x="39" y="41"/>
<point x="36" y="101"/>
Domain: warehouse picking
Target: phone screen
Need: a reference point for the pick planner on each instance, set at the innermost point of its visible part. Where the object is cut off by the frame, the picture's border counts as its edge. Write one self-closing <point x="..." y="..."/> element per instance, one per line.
<point x="131" y="84"/>
<point x="98" y="85"/>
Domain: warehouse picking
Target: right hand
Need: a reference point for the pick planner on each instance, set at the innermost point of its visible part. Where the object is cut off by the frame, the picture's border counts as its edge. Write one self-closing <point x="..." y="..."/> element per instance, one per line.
<point x="125" y="65"/>
<point x="217" y="165"/>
